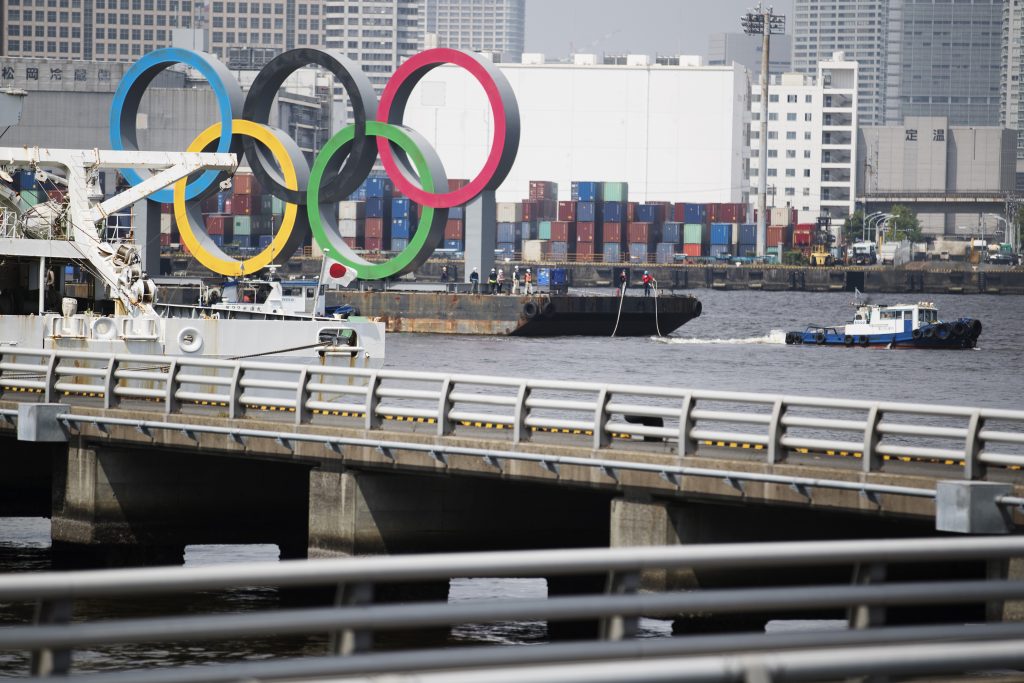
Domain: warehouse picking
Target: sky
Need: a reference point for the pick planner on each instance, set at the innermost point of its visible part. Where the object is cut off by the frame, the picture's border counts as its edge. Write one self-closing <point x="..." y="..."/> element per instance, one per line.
<point x="560" y="27"/>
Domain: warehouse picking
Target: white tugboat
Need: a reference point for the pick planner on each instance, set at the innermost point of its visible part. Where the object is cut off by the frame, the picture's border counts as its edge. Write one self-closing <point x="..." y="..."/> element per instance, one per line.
<point x="916" y="326"/>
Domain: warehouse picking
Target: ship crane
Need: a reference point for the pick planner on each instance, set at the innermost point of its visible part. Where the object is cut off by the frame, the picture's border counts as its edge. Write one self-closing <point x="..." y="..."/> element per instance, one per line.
<point x="118" y="266"/>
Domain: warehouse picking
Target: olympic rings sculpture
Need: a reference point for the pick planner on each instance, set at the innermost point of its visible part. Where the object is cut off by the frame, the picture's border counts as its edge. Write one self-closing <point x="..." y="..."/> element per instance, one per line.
<point x="342" y="164"/>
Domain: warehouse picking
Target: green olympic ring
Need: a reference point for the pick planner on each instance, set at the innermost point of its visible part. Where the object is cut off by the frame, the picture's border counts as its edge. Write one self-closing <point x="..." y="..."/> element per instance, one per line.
<point x="429" y="229"/>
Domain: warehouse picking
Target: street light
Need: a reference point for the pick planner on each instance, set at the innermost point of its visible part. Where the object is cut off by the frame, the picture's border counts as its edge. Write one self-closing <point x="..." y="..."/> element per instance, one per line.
<point x="864" y="224"/>
<point x="1007" y="233"/>
<point x="881" y="218"/>
<point x="762" y="21"/>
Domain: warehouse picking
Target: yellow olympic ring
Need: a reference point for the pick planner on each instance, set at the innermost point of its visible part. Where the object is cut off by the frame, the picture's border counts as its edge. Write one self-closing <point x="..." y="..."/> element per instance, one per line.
<point x="208" y="254"/>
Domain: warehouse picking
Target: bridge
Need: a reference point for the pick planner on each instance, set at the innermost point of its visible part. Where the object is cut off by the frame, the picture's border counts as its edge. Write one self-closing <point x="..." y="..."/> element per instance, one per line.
<point x="134" y="457"/>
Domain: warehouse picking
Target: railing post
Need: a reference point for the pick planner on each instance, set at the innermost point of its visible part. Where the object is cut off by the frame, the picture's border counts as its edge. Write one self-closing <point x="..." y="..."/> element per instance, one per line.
<point x="601" y="436"/>
<point x="349" y="641"/>
<point x="171" y="402"/>
<point x="302" y="414"/>
<point x="47" y="662"/>
<point x="371" y="419"/>
<point x="687" y="446"/>
<point x="236" y="408"/>
<point x="776" y="430"/>
<point x="110" y="397"/>
<point x="520" y="431"/>
<point x="617" y="627"/>
<point x="444" y="407"/>
<point x="867" y="616"/>
<point x="973" y="445"/>
<point x="870" y="460"/>
<point x="50" y="390"/>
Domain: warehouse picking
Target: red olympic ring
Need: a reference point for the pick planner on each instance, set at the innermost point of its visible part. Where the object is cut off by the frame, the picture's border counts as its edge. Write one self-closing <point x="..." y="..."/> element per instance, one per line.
<point x="504" y="142"/>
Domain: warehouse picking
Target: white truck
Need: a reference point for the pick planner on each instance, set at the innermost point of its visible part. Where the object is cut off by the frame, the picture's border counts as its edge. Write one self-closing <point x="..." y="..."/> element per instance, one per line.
<point x="895" y="253"/>
<point x="863" y="253"/>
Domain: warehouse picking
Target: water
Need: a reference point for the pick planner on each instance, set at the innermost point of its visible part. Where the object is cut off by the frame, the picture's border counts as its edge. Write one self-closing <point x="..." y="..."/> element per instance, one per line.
<point x="737" y="344"/>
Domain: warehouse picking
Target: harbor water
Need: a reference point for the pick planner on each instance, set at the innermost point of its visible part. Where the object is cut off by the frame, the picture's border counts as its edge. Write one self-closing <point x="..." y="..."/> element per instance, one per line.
<point x="737" y="344"/>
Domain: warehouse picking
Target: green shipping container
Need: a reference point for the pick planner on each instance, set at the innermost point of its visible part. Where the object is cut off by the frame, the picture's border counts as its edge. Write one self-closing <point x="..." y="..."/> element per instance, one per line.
<point x="243" y="225"/>
<point x="33" y="197"/>
<point x="616" y="192"/>
<point x="693" y="233"/>
<point x="266" y="204"/>
<point x="276" y="206"/>
<point x="544" y="230"/>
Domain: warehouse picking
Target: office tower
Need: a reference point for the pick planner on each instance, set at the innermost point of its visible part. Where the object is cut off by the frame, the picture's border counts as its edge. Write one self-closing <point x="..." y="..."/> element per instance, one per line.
<point x="1011" y="105"/>
<point x="494" y="26"/>
<point x="726" y="48"/>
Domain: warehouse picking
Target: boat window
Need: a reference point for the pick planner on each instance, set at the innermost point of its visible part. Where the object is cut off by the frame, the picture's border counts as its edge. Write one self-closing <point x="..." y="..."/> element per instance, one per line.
<point x="891" y="315"/>
<point x="908" y="315"/>
<point x="310" y="292"/>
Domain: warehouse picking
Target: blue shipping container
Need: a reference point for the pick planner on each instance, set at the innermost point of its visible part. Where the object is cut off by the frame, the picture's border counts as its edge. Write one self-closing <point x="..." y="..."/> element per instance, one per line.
<point x="638" y="252"/>
<point x="265" y="241"/>
<point x="612" y="253"/>
<point x="559" y="276"/>
<point x="748" y="233"/>
<point x="694" y="213"/>
<point x="721" y="233"/>
<point x="377" y="207"/>
<point x="505" y="249"/>
<point x="587" y="212"/>
<point x="508" y="232"/>
<point x="558" y="250"/>
<point x="719" y="250"/>
<point x="400" y="229"/>
<point x="528" y="230"/>
<point x="672" y="233"/>
<point x="588" y="191"/>
<point x="614" y="212"/>
<point x="544" y="276"/>
<point x="453" y="245"/>
<point x="665" y="252"/>
<point x="379" y="187"/>
<point x="398" y="244"/>
<point x="457" y="213"/>
<point x="650" y="213"/>
<point x="401" y="207"/>
<point x="25" y="180"/>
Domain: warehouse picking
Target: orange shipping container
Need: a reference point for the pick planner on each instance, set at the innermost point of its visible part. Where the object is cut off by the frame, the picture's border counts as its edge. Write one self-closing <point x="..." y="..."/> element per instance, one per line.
<point x="584" y="251"/>
<point x="453" y="229"/>
<point x="777" y="234"/>
<point x="692" y="249"/>
<point x="245" y="183"/>
<point x="611" y="233"/>
<point x="585" y="232"/>
<point x="563" y="231"/>
<point x="374" y="229"/>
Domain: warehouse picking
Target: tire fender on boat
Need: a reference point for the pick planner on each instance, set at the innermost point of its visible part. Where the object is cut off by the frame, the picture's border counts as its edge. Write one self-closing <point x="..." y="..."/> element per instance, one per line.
<point x="929" y="332"/>
<point x="103" y="328"/>
<point x="819" y="337"/>
<point x="943" y="331"/>
<point x="530" y="310"/>
<point x="959" y="328"/>
<point x="189" y="340"/>
<point x="916" y="334"/>
<point x="549" y="309"/>
<point x="848" y="340"/>
<point x="864" y="340"/>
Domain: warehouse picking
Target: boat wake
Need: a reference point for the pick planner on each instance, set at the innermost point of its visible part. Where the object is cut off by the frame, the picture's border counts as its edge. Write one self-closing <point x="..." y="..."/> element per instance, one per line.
<point x="773" y="337"/>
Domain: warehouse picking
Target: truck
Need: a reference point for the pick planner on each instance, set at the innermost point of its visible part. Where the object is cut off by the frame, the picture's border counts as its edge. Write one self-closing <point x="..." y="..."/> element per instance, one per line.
<point x="895" y="253"/>
<point x="863" y="254"/>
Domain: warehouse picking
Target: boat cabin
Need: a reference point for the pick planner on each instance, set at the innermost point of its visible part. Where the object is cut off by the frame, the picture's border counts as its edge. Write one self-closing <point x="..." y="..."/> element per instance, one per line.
<point x="295" y="297"/>
<point x="883" y="319"/>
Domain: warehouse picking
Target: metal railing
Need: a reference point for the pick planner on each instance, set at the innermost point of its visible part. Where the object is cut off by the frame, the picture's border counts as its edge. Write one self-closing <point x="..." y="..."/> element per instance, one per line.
<point x="604" y="417"/>
<point x="850" y="578"/>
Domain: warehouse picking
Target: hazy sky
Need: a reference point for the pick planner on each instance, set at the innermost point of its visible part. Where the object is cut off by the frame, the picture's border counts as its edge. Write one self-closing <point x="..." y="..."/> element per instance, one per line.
<point x="637" y="26"/>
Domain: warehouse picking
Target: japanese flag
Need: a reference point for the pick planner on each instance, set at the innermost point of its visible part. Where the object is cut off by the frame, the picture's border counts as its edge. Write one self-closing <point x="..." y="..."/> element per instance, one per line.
<point x="339" y="274"/>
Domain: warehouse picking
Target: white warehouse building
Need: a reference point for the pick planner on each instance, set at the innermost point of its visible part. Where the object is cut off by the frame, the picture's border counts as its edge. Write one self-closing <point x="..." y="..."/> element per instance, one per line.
<point x="673" y="132"/>
<point x="812" y="140"/>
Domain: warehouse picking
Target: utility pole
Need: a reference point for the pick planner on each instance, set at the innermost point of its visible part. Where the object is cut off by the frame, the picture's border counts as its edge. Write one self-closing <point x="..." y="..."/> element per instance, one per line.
<point x="764" y="22"/>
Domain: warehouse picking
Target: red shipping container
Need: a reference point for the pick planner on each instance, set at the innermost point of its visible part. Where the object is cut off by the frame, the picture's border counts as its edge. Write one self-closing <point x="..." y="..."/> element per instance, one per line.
<point x="375" y="228"/>
<point x="679" y="212"/>
<point x="547" y="210"/>
<point x="531" y="211"/>
<point x="241" y="205"/>
<point x="777" y="234"/>
<point x="457" y="184"/>
<point x="373" y="243"/>
<point x="692" y="249"/>
<point x="543" y="189"/>
<point x="208" y="205"/>
<point x="566" y="211"/>
<point x="245" y="183"/>
<point x="611" y="233"/>
<point x="641" y="233"/>
<point x="454" y="229"/>
<point x="215" y="224"/>
<point x="801" y="239"/>
<point x="805" y="227"/>
<point x="352" y="242"/>
<point x="55" y="195"/>
<point x="585" y="232"/>
<point x="169" y="208"/>
<point x="584" y="251"/>
<point x="630" y="211"/>
<point x="563" y="231"/>
<point x="165" y="239"/>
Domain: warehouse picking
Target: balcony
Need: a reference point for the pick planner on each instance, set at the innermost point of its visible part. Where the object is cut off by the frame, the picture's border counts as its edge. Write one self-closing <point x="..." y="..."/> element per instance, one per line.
<point x="835" y="175"/>
<point x="837" y="119"/>
<point x="836" y="137"/>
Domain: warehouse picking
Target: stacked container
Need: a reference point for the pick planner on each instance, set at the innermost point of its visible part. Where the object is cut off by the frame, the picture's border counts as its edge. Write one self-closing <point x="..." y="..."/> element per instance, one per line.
<point x="802" y="234"/>
<point x="746" y="245"/>
<point x="721" y="239"/>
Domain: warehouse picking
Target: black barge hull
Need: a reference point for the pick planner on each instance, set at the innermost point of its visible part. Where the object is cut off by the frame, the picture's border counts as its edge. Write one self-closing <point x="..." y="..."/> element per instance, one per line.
<point x="528" y="316"/>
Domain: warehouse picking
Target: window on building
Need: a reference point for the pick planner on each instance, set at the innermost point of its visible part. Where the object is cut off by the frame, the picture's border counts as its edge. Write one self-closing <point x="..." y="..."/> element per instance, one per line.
<point x="807" y="192"/>
<point x="791" y="173"/>
<point x="790" y="191"/>
<point x="791" y="99"/>
<point x="773" y="153"/>
<point x="773" y="135"/>
<point x="807" y="135"/>
<point x="773" y="116"/>
<point x="807" y="173"/>
<point x="791" y="135"/>
<point x="772" y="173"/>
<point x="808" y="99"/>
<point x="791" y="116"/>
<point x="791" y="154"/>
<point x="773" y="98"/>
<point x="808" y="117"/>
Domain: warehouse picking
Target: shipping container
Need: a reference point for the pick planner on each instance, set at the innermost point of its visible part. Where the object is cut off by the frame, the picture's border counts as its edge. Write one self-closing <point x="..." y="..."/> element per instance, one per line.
<point x="378" y="207"/>
<point x="665" y="252"/>
<point x="614" y="212"/>
<point x="694" y="233"/>
<point x="378" y="187"/>
<point x="240" y="225"/>
<point x="587" y="211"/>
<point x="585" y="232"/>
<point x="563" y="231"/>
<point x="557" y="251"/>
<point x="457" y="184"/>
<point x="262" y="225"/>
<point x="544" y="230"/>
<point x="531" y="210"/>
<point x="721" y="233"/>
<point x="566" y="211"/>
<point x="746" y="250"/>
<point x="218" y="240"/>
<point x="245" y="183"/>
<point x="276" y="206"/>
<point x="351" y="210"/>
<point x="56" y="195"/>
<point x="611" y="253"/>
<point x="350" y="228"/>
<point x="533" y="250"/>
<point x="454" y="230"/>
<point x="694" y="213"/>
<point x="166" y="223"/>
<point x="779" y="234"/>
<point x="400" y="229"/>
<point x="374" y="228"/>
<point x="458" y="212"/>
<point x="611" y="233"/>
<point x="584" y="251"/>
<point x="373" y="243"/>
<point x="509" y="232"/>
<point x="241" y="204"/>
<point x="649" y="213"/>
<point x="615" y="192"/>
<point x="719" y="250"/>
<point x="801" y="239"/>
<point x="782" y="215"/>
<point x="638" y="252"/>
<point x="693" y="249"/>
<point x="672" y="233"/>
<point x="402" y="207"/>
<point x="222" y="202"/>
<point x="547" y="210"/>
<point x="165" y="239"/>
<point x="748" y="234"/>
<point x="647" y="233"/>
<point x="453" y="245"/>
<point x="587" y="191"/>
<point x="398" y="243"/>
<point x="353" y="242"/>
<point x="505" y="249"/>
<point x="509" y="212"/>
<point x="25" y="180"/>
<point x="543" y="189"/>
<point x="528" y="230"/>
<point x="265" y="240"/>
<point x="802" y="227"/>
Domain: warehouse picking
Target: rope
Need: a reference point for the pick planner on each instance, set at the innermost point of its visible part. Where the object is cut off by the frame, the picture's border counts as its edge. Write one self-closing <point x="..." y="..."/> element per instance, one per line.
<point x="657" y="327"/>
<point x="622" y="297"/>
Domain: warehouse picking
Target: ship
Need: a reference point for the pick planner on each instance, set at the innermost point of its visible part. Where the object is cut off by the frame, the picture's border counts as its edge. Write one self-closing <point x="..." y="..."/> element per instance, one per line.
<point x="916" y="326"/>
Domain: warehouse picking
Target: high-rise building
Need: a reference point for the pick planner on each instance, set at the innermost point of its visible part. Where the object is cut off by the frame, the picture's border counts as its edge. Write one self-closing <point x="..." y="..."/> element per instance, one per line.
<point x="494" y="26"/>
<point x="726" y="48"/>
<point x="812" y="139"/>
<point x="1011" y="77"/>
<point x="917" y="57"/>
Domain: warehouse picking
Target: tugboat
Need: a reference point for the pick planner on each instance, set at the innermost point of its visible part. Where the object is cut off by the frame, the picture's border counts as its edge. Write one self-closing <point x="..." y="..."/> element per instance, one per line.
<point x="914" y="326"/>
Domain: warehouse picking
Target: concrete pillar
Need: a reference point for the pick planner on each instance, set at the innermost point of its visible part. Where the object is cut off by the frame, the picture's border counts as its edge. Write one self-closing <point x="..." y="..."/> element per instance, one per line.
<point x="646" y="522"/>
<point x="146" y="224"/>
<point x="481" y="236"/>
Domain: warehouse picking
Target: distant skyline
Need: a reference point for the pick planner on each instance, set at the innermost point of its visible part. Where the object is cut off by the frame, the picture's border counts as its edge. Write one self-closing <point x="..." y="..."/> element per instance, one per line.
<point x="559" y="27"/>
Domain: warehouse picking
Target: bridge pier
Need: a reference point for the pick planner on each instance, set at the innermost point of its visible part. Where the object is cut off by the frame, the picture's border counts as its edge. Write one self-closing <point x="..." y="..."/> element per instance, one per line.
<point x="26" y="472"/>
<point x="117" y="506"/>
